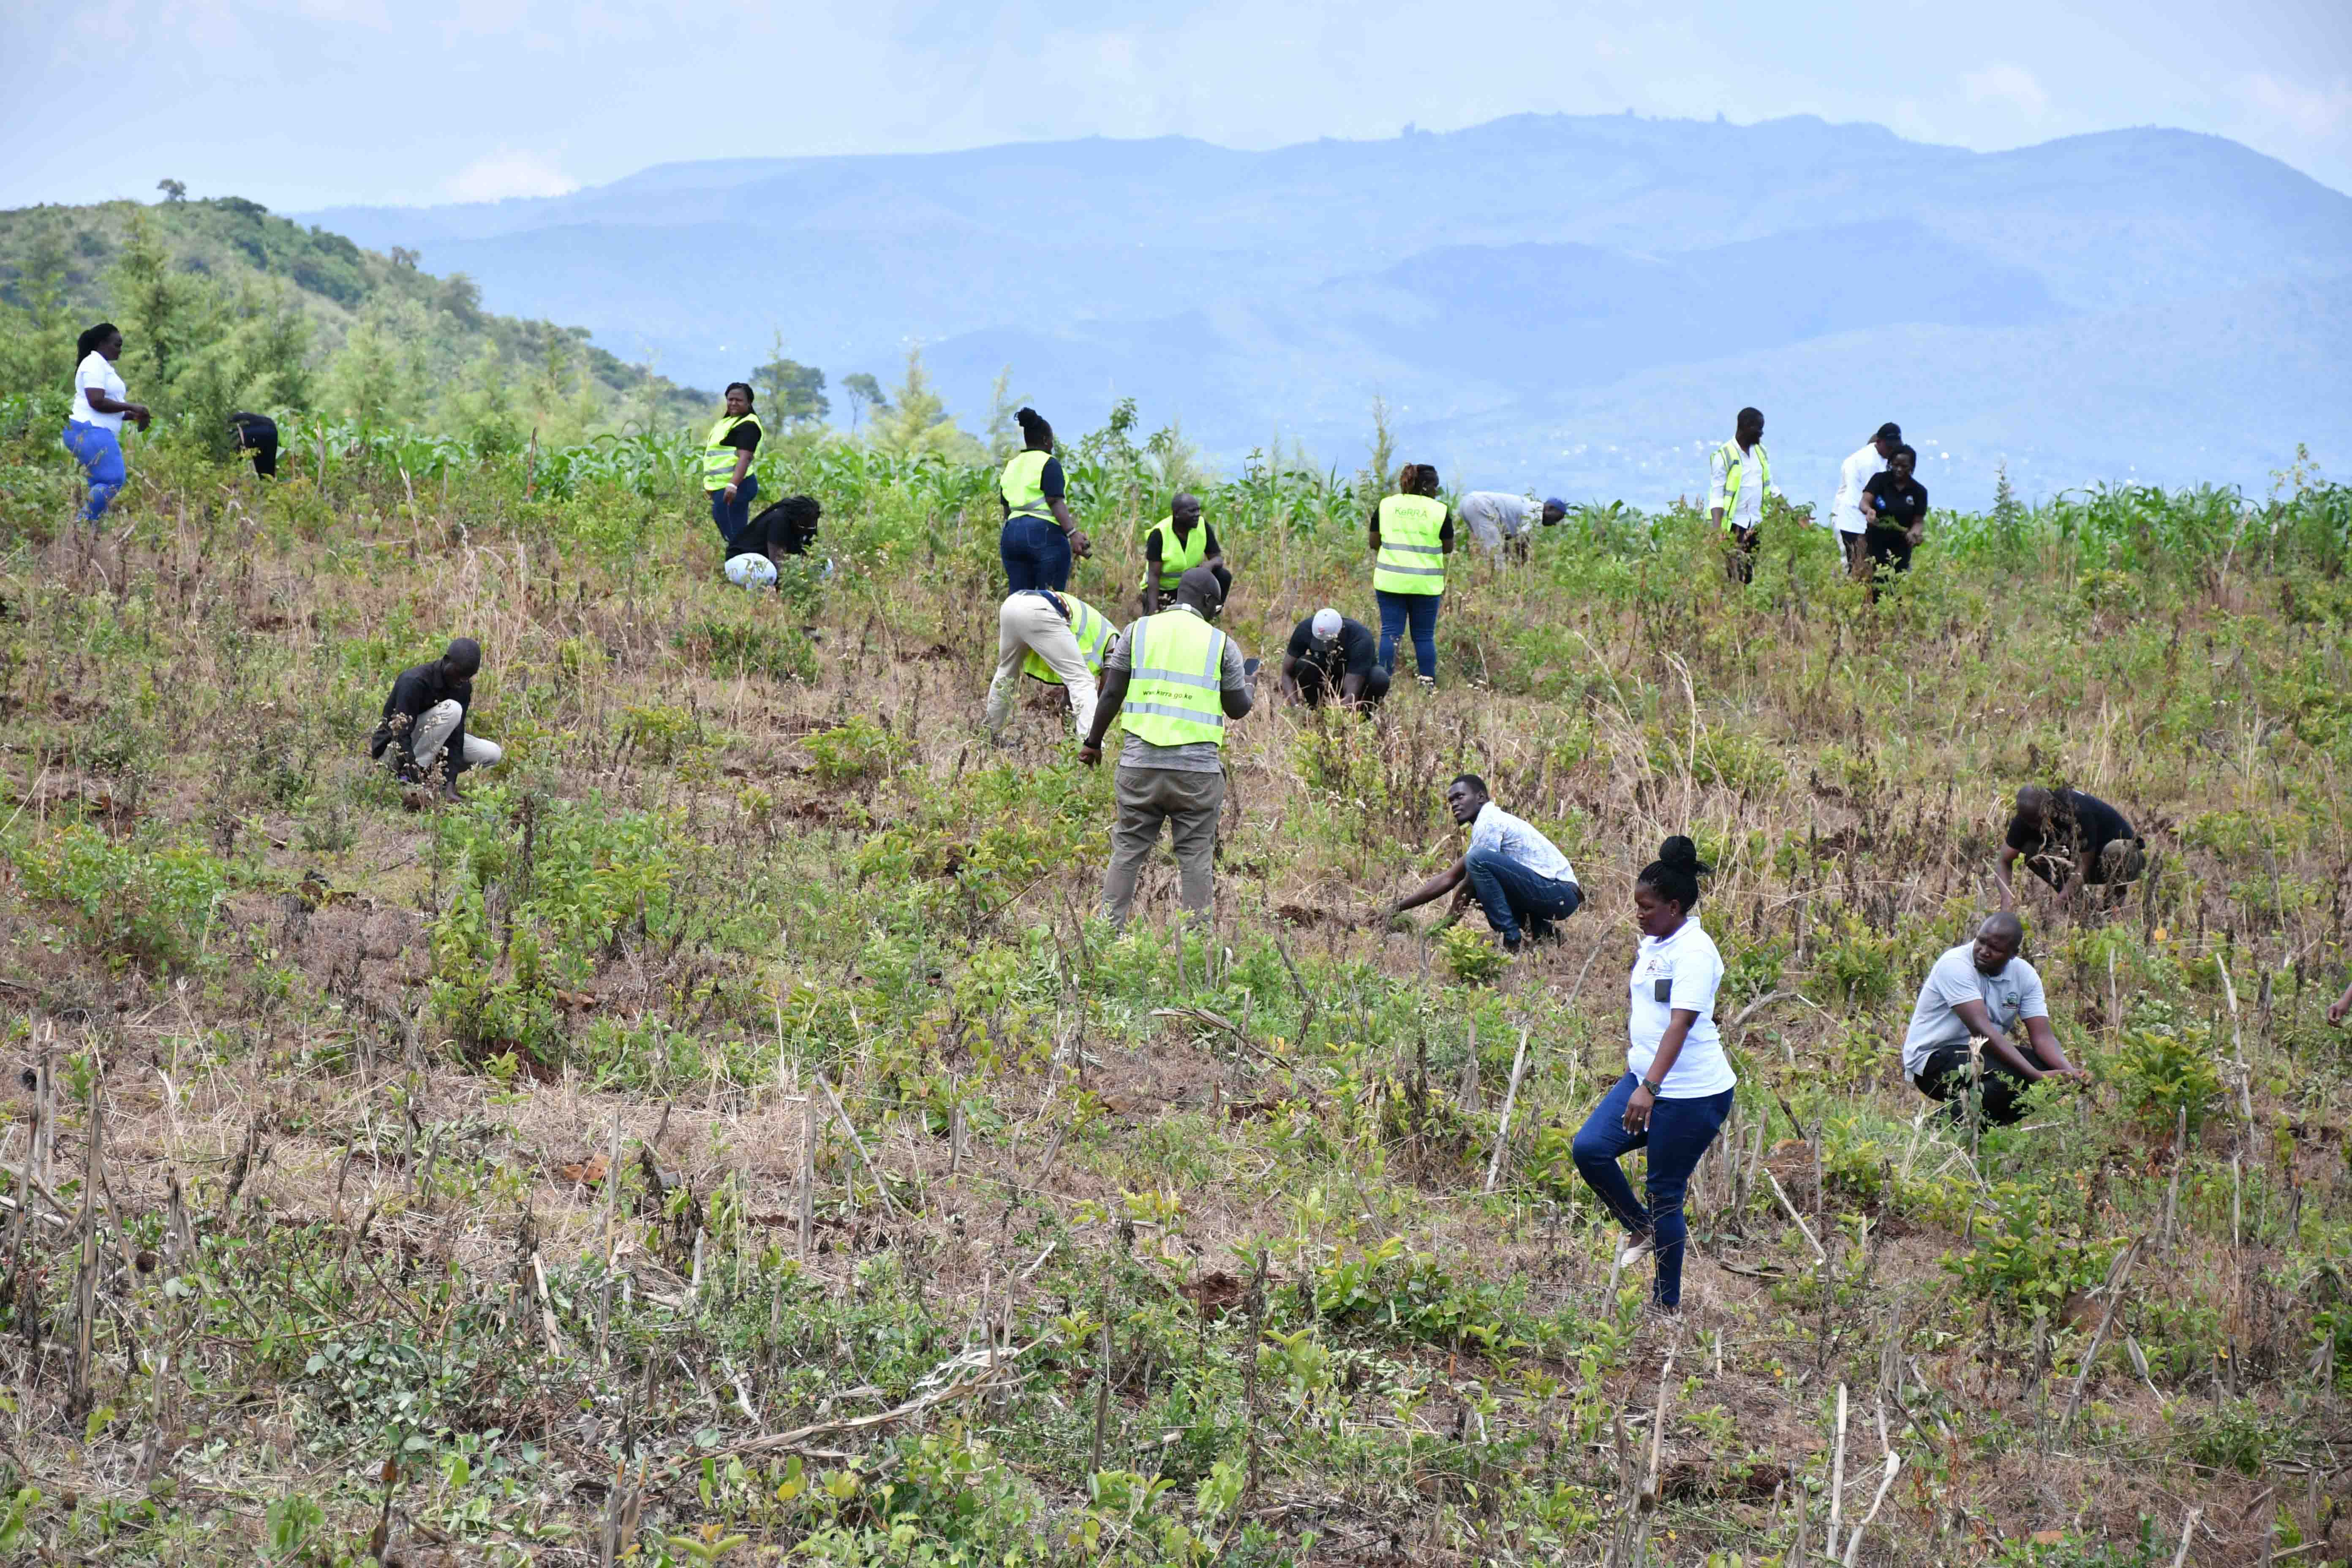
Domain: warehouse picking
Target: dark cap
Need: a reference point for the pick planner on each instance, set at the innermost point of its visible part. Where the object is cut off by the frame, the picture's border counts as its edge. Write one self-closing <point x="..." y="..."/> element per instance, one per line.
<point x="1890" y="431"/>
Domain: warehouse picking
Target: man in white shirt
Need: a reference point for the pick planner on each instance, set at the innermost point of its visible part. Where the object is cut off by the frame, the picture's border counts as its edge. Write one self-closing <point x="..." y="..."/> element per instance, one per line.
<point x="1740" y="476"/>
<point x="1497" y="518"/>
<point x="1845" y="511"/>
<point x="1981" y="990"/>
<point x="1518" y="876"/>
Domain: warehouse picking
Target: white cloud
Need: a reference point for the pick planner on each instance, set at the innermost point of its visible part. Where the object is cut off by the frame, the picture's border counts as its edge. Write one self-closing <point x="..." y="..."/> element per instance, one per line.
<point x="2009" y="84"/>
<point x="507" y="172"/>
<point x="2312" y="111"/>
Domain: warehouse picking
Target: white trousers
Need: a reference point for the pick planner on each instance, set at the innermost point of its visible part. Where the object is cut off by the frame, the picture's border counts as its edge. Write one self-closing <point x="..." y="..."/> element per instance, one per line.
<point x="1026" y="621"/>
<point x="433" y="730"/>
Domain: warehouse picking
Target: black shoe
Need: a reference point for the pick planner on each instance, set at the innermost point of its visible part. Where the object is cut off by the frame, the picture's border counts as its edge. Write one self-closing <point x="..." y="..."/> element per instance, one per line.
<point x="1542" y="930"/>
<point x="1513" y="943"/>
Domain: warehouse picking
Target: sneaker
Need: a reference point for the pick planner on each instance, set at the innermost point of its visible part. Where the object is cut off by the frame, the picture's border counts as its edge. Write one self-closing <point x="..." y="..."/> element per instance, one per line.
<point x="1426" y="682"/>
<point x="1513" y="943"/>
<point x="1632" y="1252"/>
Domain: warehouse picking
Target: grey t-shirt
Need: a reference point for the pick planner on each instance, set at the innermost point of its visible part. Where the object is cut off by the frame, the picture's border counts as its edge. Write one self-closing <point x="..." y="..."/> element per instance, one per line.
<point x="2010" y="997"/>
<point x="1193" y="756"/>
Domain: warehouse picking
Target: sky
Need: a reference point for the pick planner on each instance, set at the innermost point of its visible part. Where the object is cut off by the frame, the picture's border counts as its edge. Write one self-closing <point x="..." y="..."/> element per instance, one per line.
<point x="309" y="103"/>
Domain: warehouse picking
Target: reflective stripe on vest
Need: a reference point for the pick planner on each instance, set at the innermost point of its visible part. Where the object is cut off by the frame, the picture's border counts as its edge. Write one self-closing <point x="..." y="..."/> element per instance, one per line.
<point x="1020" y="486"/>
<point x="1088" y="626"/>
<point x="1176" y="557"/>
<point x="718" y="461"/>
<point x="1174" y="683"/>
<point x="1735" y="470"/>
<point x="1412" y="550"/>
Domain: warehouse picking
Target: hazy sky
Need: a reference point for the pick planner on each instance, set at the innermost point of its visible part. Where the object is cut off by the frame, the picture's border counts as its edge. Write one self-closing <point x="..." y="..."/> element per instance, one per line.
<point x="303" y="103"/>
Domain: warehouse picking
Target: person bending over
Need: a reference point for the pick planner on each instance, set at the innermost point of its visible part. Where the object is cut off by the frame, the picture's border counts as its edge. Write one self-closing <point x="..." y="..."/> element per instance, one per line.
<point x="1332" y="656"/>
<point x="423" y="731"/>
<point x="1518" y="876"/>
<point x="1676" y="1090"/>
<point x="1176" y="545"/>
<point x="1158" y="679"/>
<point x="2073" y="841"/>
<point x="1894" y="511"/>
<point x="1499" y="520"/>
<point x="1845" y="507"/>
<point x="1981" y="990"/>
<point x="1060" y="639"/>
<point x="256" y="434"/>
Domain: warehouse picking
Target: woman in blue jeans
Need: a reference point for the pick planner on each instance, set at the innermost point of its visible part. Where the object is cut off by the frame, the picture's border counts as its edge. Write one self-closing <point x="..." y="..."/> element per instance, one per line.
<point x="1677" y="1087"/>
<point x="93" y="431"/>
<point x="1411" y="533"/>
<point x="1040" y="535"/>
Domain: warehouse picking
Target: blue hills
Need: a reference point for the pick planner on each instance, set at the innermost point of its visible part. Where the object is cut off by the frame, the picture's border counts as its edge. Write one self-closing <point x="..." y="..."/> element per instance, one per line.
<point x="1577" y="304"/>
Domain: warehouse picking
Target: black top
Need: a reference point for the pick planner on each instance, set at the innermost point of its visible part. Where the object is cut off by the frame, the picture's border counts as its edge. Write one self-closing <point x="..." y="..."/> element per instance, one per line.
<point x="1151" y="540"/>
<point x="1900" y="503"/>
<point x="746" y="434"/>
<point x="416" y="689"/>
<point x="1354" y="654"/>
<point x="1049" y="479"/>
<point x="2078" y="823"/>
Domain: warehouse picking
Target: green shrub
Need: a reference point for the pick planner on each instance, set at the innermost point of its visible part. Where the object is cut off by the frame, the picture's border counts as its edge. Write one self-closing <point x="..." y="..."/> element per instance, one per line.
<point x="728" y="649"/>
<point x="146" y="901"/>
<point x="2022" y="1254"/>
<point x="858" y="749"/>
<point x="2162" y="1070"/>
<point x="1472" y="959"/>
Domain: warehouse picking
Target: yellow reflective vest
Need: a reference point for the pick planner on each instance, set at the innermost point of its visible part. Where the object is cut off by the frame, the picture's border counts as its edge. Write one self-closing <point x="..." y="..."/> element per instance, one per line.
<point x="1176" y="557"/>
<point x="1174" y="686"/>
<point x="1092" y="629"/>
<point x="1735" y="477"/>
<point x="1020" y="486"/>
<point x="718" y="461"/>
<point x="1413" y="550"/>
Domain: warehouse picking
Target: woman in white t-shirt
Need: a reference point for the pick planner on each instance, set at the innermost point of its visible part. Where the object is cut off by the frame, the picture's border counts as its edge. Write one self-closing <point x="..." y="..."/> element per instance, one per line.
<point x="1677" y="1087"/>
<point x="94" y="427"/>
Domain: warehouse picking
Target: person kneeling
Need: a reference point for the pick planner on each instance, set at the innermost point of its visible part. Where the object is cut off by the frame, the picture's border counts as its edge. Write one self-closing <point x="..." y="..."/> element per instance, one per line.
<point x="1518" y="876"/>
<point x="424" y="726"/>
<point x="1332" y="656"/>
<point x="1981" y="990"/>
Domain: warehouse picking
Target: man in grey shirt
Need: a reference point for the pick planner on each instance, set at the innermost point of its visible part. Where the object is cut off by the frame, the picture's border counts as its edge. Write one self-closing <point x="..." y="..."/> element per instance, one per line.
<point x="1983" y="990"/>
<point x="1497" y="518"/>
<point x="1176" y="780"/>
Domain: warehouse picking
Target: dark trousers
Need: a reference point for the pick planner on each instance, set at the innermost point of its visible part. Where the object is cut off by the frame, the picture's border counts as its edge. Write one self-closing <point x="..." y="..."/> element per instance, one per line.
<point x="733" y="517"/>
<point x="768" y="534"/>
<point x="1216" y="568"/>
<point x="1945" y="1077"/>
<point x="1419" y="611"/>
<point x="1315" y="689"/>
<point x="1889" y="549"/>
<point x="1511" y="894"/>
<point x="1677" y="1136"/>
<point x="1739" y="547"/>
<point x="1037" y="554"/>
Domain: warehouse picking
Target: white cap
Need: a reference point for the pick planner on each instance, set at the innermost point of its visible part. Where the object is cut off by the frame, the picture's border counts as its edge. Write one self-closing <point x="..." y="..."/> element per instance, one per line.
<point x="1326" y="624"/>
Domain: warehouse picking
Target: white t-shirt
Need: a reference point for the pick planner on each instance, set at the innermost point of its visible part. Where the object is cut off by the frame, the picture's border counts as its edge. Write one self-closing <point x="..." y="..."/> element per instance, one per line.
<point x="1495" y="828"/>
<point x="1845" y="511"/>
<point x="98" y="372"/>
<point x="1688" y="968"/>
<point x="2010" y="998"/>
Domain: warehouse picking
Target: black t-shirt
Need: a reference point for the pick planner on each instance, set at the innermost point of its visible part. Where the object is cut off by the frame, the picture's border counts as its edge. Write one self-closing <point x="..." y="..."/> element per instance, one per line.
<point x="2078" y="823"/>
<point x="1354" y="654"/>
<point x="1900" y="503"/>
<point x="746" y="436"/>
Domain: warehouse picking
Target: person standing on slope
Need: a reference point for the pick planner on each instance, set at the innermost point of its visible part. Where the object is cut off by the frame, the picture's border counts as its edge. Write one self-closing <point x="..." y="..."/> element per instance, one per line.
<point x="1057" y="637"/>
<point x="1040" y="535"/>
<point x="1499" y="520"/>
<point x="1411" y="534"/>
<point x="1677" y="1086"/>
<point x="727" y="466"/>
<point x="1172" y="679"/>
<point x="1173" y="547"/>
<point x="1739" y="478"/>
<point x="93" y="431"/>
<point x="1845" y="509"/>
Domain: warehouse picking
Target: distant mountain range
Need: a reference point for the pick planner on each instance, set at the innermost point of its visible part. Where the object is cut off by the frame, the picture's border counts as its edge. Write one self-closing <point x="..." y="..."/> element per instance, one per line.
<point x="1575" y="305"/>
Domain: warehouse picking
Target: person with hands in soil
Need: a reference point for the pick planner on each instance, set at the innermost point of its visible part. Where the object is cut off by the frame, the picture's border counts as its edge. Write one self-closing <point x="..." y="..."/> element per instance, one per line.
<point x="1518" y="876"/>
<point x="1894" y="516"/>
<point x="1676" y="1090"/>
<point x="1981" y="991"/>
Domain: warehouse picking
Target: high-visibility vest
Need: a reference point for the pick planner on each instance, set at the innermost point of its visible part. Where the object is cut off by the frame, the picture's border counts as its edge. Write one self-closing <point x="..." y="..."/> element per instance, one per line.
<point x="1735" y="473"/>
<point x="1175" y="659"/>
<point x="1412" y="551"/>
<point x="1020" y="486"/>
<point x="1093" y="631"/>
<point x="718" y="461"/>
<point x="1176" y="556"/>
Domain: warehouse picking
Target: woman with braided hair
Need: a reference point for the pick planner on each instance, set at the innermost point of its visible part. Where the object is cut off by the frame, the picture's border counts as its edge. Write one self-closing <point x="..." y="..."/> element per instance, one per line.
<point x="1677" y="1086"/>
<point x="1411" y="534"/>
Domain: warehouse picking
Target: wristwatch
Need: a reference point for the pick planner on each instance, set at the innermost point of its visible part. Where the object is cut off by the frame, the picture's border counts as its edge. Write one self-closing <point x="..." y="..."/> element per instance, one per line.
<point x="1654" y="1086"/>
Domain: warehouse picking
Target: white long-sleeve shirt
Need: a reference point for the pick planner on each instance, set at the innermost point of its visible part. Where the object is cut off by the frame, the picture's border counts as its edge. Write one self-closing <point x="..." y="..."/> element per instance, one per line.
<point x="1750" y="512"/>
<point x="1845" y="511"/>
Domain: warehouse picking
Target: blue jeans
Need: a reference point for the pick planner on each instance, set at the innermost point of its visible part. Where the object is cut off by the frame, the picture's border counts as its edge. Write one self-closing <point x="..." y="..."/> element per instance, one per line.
<point x="1037" y="554"/>
<point x="1421" y="609"/>
<point x="99" y="452"/>
<point x="1511" y="893"/>
<point x="1678" y="1134"/>
<point x="733" y="517"/>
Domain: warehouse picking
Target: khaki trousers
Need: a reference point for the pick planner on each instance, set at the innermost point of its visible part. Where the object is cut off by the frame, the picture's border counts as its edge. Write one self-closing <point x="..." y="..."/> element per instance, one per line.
<point x="1189" y="804"/>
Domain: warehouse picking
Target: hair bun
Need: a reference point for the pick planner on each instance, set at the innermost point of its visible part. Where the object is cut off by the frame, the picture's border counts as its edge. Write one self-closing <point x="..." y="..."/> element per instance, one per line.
<point x="1680" y="853"/>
